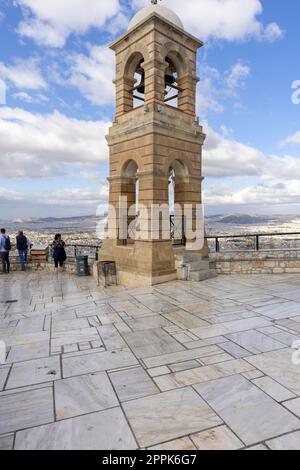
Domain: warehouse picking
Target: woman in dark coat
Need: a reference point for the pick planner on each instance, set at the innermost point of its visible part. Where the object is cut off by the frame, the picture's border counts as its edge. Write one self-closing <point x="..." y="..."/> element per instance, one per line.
<point x="59" y="253"/>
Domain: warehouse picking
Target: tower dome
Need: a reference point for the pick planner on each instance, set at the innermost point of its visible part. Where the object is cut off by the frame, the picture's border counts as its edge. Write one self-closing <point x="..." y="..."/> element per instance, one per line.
<point x="166" y="13"/>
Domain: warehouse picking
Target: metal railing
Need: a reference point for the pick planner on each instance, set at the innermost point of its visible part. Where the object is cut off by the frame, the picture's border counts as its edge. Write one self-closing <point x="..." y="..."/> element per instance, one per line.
<point x="74" y="250"/>
<point x="254" y="241"/>
<point x="177" y="231"/>
<point x="216" y="243"/>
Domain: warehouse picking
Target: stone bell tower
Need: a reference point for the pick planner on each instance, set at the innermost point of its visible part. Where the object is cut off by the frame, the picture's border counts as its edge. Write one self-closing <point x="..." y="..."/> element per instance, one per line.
<point x="155" y="138"/>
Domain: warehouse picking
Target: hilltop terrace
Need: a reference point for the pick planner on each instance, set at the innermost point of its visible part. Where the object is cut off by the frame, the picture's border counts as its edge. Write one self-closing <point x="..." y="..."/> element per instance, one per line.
<point x="182" y="365"/>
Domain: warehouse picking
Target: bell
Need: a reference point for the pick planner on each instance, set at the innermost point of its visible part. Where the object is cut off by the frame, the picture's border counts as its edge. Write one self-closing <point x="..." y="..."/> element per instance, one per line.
<point x="169" y="79"/>
<point x="141" y="87"/>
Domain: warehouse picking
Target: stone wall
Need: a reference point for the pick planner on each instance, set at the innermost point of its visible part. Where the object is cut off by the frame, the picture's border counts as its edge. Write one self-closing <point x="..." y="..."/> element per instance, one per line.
<point x="69" y="266"/>
<point x="256" y="262"/>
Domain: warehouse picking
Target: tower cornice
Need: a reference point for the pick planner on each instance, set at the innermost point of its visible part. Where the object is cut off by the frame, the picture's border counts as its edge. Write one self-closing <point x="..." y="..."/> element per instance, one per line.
<point x="152" y="18"/>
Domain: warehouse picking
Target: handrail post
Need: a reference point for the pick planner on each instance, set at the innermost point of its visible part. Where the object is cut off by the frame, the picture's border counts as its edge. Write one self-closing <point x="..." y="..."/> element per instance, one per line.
<point x="257" y="242"/>
<point x="217" y="245"/>
<point x="75" y="250"/>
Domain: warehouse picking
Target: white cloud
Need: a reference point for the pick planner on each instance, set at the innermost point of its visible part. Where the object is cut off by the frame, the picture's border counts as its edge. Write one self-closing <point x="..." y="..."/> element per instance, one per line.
<point x="278" y="193"/>
<point x="93" y="75"/>
<point x="78" y="197"/>
<point x="293" y="139"/>
<point x="62" y="202"/>
<point x="50" y="22"/>
<point x="272" y="32"/>
<point x="23" y="74"/>
<point x="224" y="157"/>
<point x="236" y="75"/>
<point x="23" y="96"/>
<point x="7" y="195"/>
<point x="209" y="91"/>
<point x="232" y="20"/>
<point x="215" y="87"/>
<point x="35" y="145"/>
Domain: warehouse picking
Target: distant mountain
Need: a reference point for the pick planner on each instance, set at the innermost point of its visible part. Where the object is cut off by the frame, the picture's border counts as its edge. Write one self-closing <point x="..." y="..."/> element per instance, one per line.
<point x="243" y="220"/>
<point x="37" y="220"/>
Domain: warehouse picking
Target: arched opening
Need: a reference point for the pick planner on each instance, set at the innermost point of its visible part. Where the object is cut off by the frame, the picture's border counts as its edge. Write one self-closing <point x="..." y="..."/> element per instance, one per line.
<point x="139" y="88"/>
<point x="171" y="84"/>
<point x="176" y="189"/>
<point x="171" y="192"/>
<point x="130" y="190"/>
<point x="136" y="75"/>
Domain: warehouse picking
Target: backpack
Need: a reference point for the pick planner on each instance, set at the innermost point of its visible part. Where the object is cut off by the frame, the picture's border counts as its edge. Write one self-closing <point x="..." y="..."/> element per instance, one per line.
<point x="59" y="252"/>
<point x="22" y="243"/>
<point x="7" y="244"/>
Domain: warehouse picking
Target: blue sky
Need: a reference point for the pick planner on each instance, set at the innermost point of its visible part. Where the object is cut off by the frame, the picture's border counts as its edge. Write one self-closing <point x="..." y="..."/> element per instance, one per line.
<point x="58" y="71"/>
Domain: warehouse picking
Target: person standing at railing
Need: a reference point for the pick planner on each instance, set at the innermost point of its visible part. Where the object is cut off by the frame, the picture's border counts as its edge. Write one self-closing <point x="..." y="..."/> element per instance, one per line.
<point x="22" y="247"/>
<point x="5" y="247"/>
<point x="59" y="252"/>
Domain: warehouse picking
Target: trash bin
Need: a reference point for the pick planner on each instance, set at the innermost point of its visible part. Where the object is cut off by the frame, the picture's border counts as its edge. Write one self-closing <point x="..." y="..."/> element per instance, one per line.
<point x="107" y="273"/>
<point x="82" y="265"/>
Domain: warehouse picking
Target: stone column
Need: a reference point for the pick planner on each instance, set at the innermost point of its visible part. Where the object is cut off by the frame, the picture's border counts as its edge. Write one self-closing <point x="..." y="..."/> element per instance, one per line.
<point x="124" y="95"/>
<point x="187" y="97"/>
<point x="154" y="81"/>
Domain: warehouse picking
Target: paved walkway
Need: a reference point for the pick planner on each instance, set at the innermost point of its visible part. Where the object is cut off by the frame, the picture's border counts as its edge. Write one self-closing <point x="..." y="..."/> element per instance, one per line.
<point x="179" y="366"/>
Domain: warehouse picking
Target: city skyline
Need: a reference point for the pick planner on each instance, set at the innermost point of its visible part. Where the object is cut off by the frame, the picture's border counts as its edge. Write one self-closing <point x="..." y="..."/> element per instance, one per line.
<point x="59" y="102"/>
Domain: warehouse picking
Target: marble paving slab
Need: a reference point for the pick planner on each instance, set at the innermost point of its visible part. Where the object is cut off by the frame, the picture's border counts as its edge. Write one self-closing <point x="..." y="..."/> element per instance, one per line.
<point x="27" y="409"/>
<point x="288" y="442"/>
<point x="6" y="442"/>
<point x="61" y="338"/>
<point x="168" y="415"/>
<point x="103" y="430"/>
<point x="219" y="438"/>
<point x="216" y="359"/>
<point x="34" y="372"/>
<point x="230" y="327"/>
<point x="235" y="350"/>
<point x="84" y="394"/>
<point x="274" y="389"/>
<point x="111" y="337"/>
<point x="184" y="443"/>
<point x="25" y="352"/>
<point x="147" y="323"/>
<point x="184" y="319"/>
<point x="156" y="371"/>
<point x="185" y="355"/>
<point x="15" y="340"/>
<point x="249" y="412"/>
<point x="280" y="310"/>
<point x="132" y="384"/>
<point x="255" y="342"/>
<point x="149" y="343"/>
<point x="279" y="366"/>
<point x="257" y="447"/>
<point x="97" y="362"/>
<point x="184" y="366"/>
<point x="3" y="376"/>
<point x="286" y="338"/>
<point x="293" y="406"/>
<point x="69" y="325"/>
<point x="202" y="374"/>
<point x="30" y="325"/>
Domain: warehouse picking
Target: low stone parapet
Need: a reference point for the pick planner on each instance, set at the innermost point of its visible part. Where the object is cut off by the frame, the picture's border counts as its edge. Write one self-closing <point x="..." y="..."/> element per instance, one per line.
<point x="42" y="265"/>
<point x="256" y="262"/>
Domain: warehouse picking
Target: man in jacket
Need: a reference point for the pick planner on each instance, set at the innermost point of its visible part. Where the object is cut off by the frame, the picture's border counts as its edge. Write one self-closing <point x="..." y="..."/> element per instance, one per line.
<point x="4" y="251"/>
<point x="22" y="247"/>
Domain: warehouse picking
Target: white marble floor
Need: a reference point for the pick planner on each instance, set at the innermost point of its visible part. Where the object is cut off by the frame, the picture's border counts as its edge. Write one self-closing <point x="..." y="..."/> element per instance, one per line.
<point x="183" y="365"/>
